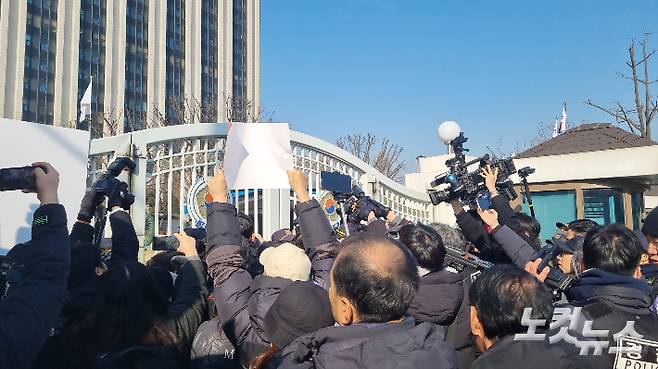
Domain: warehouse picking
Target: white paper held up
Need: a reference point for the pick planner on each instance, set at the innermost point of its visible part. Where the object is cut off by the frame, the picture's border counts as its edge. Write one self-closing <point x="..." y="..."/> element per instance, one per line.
<point x="258" y="155"/>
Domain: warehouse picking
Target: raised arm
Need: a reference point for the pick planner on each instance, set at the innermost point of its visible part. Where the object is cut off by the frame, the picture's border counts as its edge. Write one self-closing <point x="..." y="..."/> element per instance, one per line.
<point x="31" y="309"/>
<point x="225" y="264"/>
<point x="470" y="227"/>
<point x="188" y="307"/>
<point x="319" y="237"/>
<point x="82" y="229"/>
<point x="506" y="215"/>
<point x="512" y="244"/>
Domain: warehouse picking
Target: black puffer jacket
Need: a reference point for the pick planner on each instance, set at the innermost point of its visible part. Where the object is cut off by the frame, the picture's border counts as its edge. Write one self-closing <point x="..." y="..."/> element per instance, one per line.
<point x="212" y="349"/>
<point x="30" y="311"/>
<point x="610" y="301"/>
<point x="378" y="346"/>
<point x="242" y="302"/>
<point x="508" y="353"/>
<point x="442" y="298"/>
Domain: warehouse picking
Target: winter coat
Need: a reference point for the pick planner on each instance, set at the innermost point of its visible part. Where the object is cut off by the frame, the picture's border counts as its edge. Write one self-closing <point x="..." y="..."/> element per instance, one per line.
<point x="372" y="345"/>
<point x="514" y="246"/>
<point x="212" y="349"/>
<point x="510" y="353"/>
<point x="31" y="310"/>
<point x="442" y="298"/>
<point x="186" y="312"/>
<point x="611" y="301"/>
<point x="241" y="301"/>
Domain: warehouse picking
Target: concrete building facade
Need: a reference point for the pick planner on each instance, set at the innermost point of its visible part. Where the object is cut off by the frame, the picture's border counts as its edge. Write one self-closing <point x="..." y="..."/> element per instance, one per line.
<point x="140" y="54"/>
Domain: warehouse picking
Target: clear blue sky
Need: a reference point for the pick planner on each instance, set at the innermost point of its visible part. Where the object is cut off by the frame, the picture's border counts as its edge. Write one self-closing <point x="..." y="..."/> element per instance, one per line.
<point x="399" y="67"/>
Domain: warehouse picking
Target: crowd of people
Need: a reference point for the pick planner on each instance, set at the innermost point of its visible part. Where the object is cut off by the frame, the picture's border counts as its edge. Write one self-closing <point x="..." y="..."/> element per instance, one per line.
<point x="387" y="296"/>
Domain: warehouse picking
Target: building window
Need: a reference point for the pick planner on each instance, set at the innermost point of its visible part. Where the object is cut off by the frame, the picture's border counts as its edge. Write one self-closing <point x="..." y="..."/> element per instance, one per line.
<point x="175" y="58"/>
<point x="136" y="64"/>
<point x="92" y="53"/>
<point x="604" y="206"/>
<point x="40" y="47"/>
<point x="552" y="207"/>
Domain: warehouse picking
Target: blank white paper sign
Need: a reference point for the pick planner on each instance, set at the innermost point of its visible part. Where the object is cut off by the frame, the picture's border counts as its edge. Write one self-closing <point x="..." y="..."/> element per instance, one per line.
<point x="258" y="155"/>
<point x="22" y="144"/>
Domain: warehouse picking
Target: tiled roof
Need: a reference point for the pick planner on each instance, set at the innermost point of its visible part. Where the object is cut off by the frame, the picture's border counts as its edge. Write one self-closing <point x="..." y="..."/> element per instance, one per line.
<point x="587" y="138"/>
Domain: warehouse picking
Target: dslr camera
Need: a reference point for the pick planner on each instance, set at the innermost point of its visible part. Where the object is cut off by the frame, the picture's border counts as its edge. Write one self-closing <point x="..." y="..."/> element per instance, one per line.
<point x="467" y="186"/>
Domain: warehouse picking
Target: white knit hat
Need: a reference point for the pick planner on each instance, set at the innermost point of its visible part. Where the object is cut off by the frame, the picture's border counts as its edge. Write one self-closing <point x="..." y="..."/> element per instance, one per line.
<point x="286" y="261"/>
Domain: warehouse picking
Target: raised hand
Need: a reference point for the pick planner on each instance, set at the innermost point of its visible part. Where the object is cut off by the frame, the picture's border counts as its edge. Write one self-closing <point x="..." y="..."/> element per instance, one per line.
<point x="217" y="187"/>
<point x="299" y="185"/>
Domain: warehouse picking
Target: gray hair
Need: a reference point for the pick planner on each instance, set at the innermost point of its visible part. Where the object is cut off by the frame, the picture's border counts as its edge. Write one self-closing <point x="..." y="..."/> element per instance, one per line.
<point x="451" y="237"/>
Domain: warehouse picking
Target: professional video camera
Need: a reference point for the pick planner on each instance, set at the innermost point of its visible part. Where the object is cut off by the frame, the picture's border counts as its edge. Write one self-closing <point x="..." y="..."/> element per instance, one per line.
<point x="467" y="186"/>
<point x="355" y="205"/>
<point x="108" y="185"/>
<point x="11" y="272"/>
<point x="556" y="280"/>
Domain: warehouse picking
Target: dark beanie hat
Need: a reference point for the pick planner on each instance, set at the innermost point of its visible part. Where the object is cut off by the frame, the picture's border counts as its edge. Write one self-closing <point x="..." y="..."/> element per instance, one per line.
<point x="301" y="308"/>
<point x="650" y="226"/>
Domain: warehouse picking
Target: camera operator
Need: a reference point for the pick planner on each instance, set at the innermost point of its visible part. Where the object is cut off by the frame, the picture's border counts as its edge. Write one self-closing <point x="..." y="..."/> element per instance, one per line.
<point x="30" y="310"/>
<point x="517" y="249"/>
<point x="442" y="295"/>
<point x="611" y="290"/>
<point x="529" y="229"/>
<point x="123" y="317"/>
<point x="479" y="233"/>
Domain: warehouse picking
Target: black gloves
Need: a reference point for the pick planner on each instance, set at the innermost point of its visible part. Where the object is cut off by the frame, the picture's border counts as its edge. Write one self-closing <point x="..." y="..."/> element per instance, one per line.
<point x="89" y="203"/>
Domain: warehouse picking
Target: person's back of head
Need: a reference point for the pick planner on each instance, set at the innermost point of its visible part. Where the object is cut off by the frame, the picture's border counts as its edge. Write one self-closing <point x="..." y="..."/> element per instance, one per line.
<point x="530" y="228"/>
<point x="451" y="237"/>
<point x="498" y="298"/>
<point x="373" y="280"/>
<point x="300" y="308"/>
<point x="425" y="244"/>
<point x="131" y="309"/>
<point x="580" y="227"/>
<point x="86" y="264"/>
<point x="246" y="225"/>
<point x="614" y="249"/>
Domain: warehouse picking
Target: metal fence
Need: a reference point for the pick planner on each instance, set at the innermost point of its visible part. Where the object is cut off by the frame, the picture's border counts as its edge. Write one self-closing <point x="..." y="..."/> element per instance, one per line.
<point x="174" y="161"/>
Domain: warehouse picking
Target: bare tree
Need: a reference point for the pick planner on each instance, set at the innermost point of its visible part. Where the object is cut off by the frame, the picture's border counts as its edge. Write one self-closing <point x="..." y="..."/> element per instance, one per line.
<point x="639" y="117"/>
<point x="242" y="110"/>
<point x="383" y="155"/>
<point x="184" y="110"/>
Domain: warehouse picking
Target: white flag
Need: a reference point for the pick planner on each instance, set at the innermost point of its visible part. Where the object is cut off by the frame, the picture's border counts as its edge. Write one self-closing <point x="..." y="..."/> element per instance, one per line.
<point x="555" y="130"/>
<point x="85" y="104"/>
<point x="563" y="122"/>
